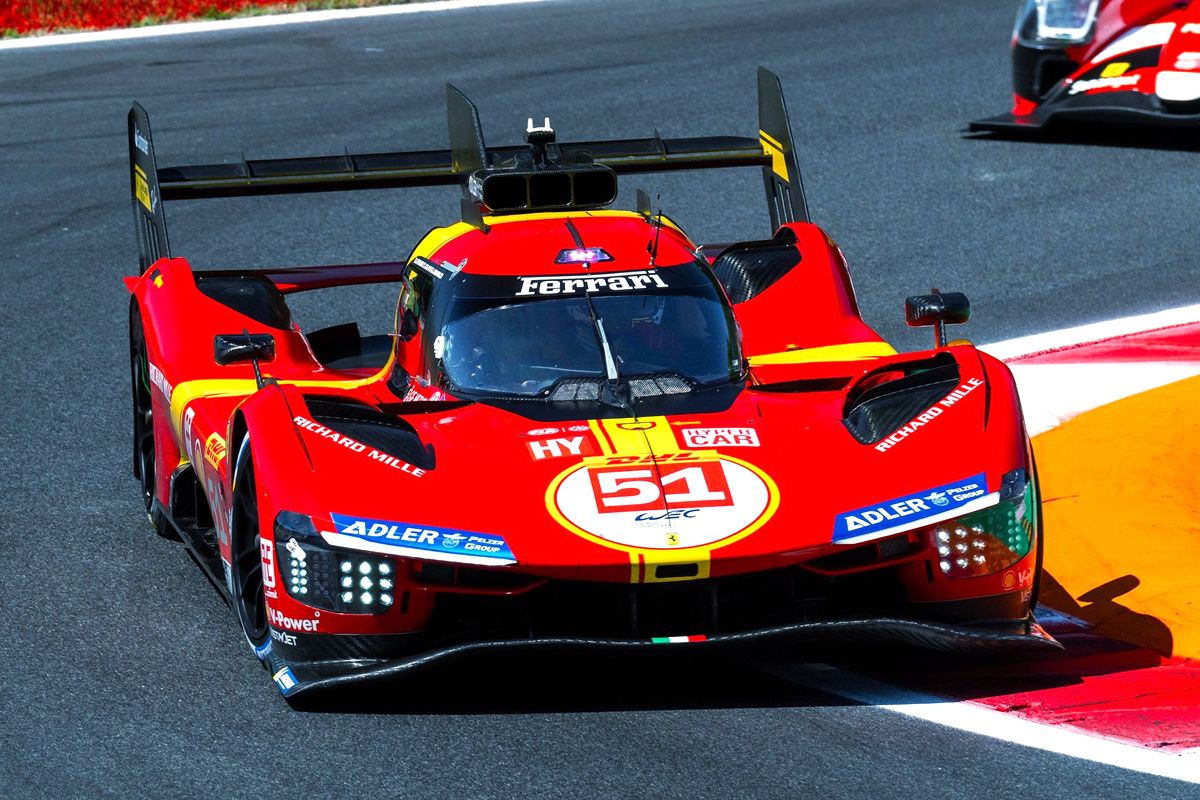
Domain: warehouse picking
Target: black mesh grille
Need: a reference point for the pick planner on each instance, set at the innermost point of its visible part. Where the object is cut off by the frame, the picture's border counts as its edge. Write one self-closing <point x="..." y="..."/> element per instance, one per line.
<point x="386" y="433"/>
<point x="640" y="386"/>
<point x="874" y="413"/>
<point x="746" y="270"/>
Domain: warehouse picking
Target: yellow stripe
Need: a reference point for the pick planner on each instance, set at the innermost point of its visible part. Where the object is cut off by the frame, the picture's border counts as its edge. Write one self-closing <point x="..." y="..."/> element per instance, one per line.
<point x="639" y="437"/>
<point x="188" y="391"/>
<point x="853" y="351"/>
<point x="700" y="556"/>
<point x="142" y="190"/>
<point x="438" y="238"/>
<point x="775" y="150"/>
<point x="139" y="170"/>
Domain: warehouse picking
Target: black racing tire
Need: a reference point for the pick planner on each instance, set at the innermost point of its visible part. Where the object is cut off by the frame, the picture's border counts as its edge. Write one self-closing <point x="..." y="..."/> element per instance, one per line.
<point x="144" y="466"/>
<point x="249" y="598"/>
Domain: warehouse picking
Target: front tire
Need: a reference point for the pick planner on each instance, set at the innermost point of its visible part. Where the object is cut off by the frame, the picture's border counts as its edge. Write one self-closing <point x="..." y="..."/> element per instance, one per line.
<point x="249" y="598"/>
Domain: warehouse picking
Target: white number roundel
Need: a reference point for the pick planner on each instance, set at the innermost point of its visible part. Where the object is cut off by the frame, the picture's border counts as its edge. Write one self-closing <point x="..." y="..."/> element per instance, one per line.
<point x="664" y="506"/>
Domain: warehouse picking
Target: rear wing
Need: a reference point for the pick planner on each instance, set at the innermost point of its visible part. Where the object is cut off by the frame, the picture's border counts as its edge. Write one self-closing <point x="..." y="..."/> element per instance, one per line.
<point x="469" y="158"/>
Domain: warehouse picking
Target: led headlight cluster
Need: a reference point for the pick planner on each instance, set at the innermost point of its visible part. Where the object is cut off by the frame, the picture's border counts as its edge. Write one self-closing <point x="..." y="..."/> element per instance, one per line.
<point x="366" y="582"/>
<point x="324" y="577"/>
<point x="991" y="540"/>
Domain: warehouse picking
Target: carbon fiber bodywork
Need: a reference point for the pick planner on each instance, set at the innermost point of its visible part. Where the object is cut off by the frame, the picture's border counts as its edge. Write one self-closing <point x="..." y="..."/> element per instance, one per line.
<point x="1026" y="636"/>
<point x="1125" y="108"/>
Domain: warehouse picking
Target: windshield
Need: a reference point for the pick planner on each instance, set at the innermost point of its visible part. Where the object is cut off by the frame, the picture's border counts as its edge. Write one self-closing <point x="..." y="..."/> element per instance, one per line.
<point x="656" y="336"/>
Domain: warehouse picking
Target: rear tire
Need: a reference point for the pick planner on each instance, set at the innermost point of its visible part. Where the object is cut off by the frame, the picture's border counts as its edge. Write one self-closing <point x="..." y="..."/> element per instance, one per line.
<point x="249" y="599"/>
<point x="144" y="447"/>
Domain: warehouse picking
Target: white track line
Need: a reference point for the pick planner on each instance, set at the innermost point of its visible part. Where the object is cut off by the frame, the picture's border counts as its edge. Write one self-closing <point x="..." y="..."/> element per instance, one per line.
<point x="1056" y="393"/>
<point x="1051" y="394"/>
<point x="965" y="716"/>
<point x="244" y="23"/>
<point x="1083" y="334"/>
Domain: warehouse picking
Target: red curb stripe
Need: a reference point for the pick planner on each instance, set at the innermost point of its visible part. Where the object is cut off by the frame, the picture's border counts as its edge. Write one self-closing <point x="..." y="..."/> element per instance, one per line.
<point x="1176" y="343"/>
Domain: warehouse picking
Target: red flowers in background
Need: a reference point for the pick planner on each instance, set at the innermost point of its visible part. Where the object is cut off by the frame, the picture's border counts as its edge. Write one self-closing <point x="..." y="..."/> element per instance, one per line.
<point x="32" y="15"/>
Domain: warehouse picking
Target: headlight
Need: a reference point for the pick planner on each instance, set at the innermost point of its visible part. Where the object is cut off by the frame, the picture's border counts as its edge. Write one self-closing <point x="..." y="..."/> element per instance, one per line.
<point x="1055" y="23"/>
<point x="988" y="541"/>
<point x="323" y="577"/>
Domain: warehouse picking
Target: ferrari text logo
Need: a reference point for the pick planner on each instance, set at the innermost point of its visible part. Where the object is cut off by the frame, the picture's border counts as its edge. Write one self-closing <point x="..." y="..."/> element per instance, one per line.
<point x="570" y="284"/>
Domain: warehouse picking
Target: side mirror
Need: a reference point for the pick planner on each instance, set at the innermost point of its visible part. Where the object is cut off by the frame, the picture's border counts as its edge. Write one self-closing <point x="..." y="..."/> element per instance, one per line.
<point x="938" y="310"/>
<point x="233" y="348"/>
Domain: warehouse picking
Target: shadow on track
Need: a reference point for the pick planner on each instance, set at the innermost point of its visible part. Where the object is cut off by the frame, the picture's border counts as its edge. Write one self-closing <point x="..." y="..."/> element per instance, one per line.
<point x="570" y="683"/>
<point x="561" y="683"/>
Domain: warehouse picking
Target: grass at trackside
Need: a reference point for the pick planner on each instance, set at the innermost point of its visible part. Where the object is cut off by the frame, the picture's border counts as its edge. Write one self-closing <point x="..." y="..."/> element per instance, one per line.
<point x="214" y="13"/>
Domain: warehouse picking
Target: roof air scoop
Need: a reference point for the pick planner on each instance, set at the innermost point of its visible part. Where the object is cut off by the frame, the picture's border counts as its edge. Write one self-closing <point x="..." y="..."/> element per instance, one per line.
<point x="543" y="178"/>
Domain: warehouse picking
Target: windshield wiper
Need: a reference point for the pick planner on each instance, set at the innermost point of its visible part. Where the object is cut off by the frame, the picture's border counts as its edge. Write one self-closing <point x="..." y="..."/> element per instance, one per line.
<point x="610" y="366"/>
<point x="611" y="393"/>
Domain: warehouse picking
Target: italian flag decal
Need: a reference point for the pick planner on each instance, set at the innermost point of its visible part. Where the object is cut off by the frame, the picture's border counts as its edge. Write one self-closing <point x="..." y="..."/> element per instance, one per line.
<point x="676" y="639"/>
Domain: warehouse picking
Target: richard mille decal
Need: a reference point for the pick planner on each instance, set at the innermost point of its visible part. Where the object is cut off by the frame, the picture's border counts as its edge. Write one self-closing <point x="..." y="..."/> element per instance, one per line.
<point x="357" y="447"/>
<point x="929" y="415"/>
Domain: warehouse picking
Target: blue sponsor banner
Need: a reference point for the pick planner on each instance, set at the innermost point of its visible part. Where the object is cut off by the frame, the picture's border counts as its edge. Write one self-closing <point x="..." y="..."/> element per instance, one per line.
<point x="909" y="508"/>
<point x="285" y="679"/>
<point x="424" y="537"/>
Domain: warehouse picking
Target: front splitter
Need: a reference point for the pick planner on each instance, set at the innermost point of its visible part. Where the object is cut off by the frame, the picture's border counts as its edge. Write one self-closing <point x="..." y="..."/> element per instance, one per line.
<point x="1024" y="636"/>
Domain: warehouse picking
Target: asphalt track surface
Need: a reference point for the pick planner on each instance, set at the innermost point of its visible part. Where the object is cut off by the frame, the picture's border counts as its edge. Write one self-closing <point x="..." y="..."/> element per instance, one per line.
<point x="124" y="675"/>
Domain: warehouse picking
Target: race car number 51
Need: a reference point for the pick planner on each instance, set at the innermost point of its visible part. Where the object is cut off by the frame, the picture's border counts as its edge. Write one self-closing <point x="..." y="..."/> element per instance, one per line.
<point x="667" y="505"/>
<point x="694" y="485"/>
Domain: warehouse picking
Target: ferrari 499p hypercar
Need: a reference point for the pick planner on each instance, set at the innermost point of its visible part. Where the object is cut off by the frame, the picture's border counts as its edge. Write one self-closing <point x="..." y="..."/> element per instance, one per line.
<point x="1114" y="61"/>
<point x="585" y="430"/>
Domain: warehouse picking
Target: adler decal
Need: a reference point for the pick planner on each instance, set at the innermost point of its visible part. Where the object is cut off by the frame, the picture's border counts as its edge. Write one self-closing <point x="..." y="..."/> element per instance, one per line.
<point x="403" y="536"/>
<point x="907" y="512"/>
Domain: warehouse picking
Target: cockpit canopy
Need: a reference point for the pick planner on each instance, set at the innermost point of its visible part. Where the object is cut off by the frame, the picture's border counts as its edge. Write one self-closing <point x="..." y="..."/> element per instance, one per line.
<point x="661" y="330"/>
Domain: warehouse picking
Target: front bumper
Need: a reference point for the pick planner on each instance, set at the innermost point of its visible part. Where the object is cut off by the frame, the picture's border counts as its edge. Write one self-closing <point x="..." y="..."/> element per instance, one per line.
<point x="1014" y="637"/>
<point x="1117" y="108"/>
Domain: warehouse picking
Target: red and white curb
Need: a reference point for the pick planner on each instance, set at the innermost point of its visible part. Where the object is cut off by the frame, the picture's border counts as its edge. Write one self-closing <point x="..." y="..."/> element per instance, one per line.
<point x="1102" y="701"/>
<point x="972" y="717"/>
<point x="246" y="23"/>
<point x="1063" y="373"/>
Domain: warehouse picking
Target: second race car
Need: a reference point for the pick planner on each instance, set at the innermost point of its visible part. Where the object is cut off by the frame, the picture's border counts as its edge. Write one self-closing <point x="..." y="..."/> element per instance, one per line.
<point x="1109" y="61"/>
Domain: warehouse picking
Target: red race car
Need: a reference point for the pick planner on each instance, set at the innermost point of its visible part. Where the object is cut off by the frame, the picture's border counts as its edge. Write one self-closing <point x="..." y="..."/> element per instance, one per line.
<point x="585" y="430"/>
<point x="1114" y="61"/>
